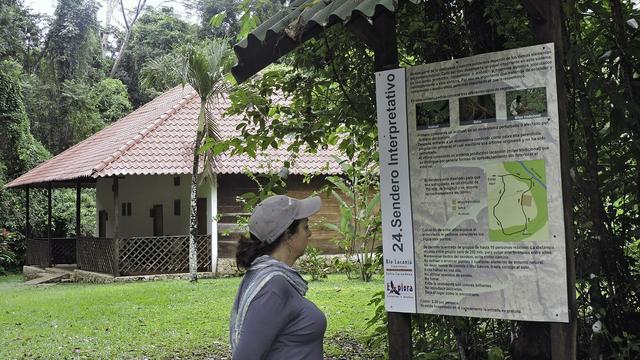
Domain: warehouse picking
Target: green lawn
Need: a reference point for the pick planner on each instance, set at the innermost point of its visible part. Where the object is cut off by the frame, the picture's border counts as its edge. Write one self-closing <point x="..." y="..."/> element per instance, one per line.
<point x="156" y="320"/>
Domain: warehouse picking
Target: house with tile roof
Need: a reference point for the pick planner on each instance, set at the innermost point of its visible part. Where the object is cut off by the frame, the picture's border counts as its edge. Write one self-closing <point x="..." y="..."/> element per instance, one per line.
<point x="140" y="167"/>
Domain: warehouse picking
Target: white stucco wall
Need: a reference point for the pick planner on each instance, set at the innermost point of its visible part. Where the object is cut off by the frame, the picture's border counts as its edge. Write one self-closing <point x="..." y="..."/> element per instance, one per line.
<point x="143" y="192"/>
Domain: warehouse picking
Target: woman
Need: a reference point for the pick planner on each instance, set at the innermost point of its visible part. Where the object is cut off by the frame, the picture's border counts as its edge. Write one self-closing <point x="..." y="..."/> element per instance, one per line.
<point x="271" y="319"/>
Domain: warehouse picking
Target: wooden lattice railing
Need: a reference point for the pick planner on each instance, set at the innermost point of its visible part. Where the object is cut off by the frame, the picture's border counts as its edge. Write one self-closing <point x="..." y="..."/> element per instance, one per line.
<point x="98" y="255"/>
<point x="162" y="254"/>
<point x="64" y="250"/>
<point x="38" y="252"/>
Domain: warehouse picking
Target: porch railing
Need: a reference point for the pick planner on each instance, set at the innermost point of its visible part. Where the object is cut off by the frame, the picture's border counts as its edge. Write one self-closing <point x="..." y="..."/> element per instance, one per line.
<point x="38" y="252"/>
<point x="142" y="255"/>
<point x="98" y="255"/>
<point x="63" y="251"/>
<point x="162" y="254"/>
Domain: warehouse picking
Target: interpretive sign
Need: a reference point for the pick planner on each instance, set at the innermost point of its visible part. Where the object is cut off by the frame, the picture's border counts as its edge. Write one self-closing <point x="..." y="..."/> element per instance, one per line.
<point x="471" y="192"/>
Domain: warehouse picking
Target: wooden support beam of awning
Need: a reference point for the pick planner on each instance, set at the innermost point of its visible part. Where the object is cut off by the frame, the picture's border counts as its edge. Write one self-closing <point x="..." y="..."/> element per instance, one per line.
<point x="380" y="36"/>
<point x="58" y="184"/>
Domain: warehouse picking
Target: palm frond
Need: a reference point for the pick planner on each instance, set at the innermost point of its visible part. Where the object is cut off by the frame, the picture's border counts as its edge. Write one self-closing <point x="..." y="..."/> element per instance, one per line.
<point x="162" y="73"/>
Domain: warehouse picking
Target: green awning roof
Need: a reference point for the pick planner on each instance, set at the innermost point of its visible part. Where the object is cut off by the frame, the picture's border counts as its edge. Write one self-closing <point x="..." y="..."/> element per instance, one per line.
<point x="295" y="24"/>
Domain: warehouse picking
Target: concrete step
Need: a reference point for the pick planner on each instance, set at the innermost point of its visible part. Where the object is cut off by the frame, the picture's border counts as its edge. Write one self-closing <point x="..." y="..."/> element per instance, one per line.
<point x="60" y="270"/>
<point x="49" y="278"/>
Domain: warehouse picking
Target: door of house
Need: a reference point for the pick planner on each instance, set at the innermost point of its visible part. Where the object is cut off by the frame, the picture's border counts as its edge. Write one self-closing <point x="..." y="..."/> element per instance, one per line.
<point x="156" y="212"/>
<point x="202" y="216"/>
<point x="102" y="223"/>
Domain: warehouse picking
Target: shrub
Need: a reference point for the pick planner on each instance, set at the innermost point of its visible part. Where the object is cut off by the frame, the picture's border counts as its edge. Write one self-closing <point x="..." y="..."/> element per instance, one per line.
<point x="346" y="266"/>
<point x="314" y="264"/>
<point x="7" y="256"/>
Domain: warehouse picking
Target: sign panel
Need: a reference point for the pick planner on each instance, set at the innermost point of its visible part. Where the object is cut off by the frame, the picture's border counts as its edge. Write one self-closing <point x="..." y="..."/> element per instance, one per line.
<point x="395" y="192"/>
<point x="483" y="170"/>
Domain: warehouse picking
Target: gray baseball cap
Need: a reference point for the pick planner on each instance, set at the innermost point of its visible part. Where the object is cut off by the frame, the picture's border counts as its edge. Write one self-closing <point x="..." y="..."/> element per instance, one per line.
<point x="276" y="213"/>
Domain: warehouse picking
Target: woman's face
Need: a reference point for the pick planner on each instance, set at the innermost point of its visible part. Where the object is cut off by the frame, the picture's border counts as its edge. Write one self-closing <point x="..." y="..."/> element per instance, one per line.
<point x="300" y="239"/>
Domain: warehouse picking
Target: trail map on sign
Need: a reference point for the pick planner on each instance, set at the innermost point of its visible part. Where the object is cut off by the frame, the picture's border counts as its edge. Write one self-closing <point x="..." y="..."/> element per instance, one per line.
<point x="517" y="201"/>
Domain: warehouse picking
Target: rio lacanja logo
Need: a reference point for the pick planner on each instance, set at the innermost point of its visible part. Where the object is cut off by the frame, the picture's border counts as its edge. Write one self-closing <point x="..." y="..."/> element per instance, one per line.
<point x="398" y="289"/>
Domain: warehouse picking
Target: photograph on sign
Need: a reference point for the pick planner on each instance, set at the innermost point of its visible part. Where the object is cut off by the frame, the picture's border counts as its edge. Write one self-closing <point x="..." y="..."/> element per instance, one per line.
<point x="527" y="103"/>
<point x="432" y="115"/>
<point x="483" y="167"/>
<point x="477" y="109"/>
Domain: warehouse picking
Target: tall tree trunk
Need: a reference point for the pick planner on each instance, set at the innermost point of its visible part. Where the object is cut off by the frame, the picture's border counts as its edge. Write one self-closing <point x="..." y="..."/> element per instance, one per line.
<point x="120" y="54"/>
<point x="461" y="332"/>
<point x="193" y="216"/>
<point x="591" y="187"/>
<point x="484" y="36"/>
<point x="129" y="29"/>
<point x="626" y="69"/>
<point x="531" y="342"/>
<point x="605" y="250"/>
<point x="109" y="5"/>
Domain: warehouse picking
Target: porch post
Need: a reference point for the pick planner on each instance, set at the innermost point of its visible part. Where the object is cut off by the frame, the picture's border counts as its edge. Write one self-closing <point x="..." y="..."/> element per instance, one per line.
<point x="49" y="220"/>
<point x="116" y="216"/>
<point x="214" y="223"/>
<point x="116" y="208"/>
<point x="78" y="209"/>
<point x="26" y="220"/>
<point x="78" y="189"/>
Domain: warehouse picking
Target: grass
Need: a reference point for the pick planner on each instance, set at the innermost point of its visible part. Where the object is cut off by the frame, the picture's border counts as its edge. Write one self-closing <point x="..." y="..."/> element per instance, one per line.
<point x="156" y="320"/>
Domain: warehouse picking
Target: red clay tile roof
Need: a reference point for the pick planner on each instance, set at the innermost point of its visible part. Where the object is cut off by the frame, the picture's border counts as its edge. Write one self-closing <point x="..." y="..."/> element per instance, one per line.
<point x="158" y="139"/>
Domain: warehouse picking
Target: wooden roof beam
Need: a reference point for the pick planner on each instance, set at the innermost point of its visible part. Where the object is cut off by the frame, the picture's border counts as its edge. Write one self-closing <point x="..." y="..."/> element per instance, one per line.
<point x="380" y="36"/>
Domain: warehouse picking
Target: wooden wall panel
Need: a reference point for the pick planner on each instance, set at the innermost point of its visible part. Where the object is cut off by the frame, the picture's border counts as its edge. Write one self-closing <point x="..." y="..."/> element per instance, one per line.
<point x="231" y="186"/>
<point x="322" y="238"/>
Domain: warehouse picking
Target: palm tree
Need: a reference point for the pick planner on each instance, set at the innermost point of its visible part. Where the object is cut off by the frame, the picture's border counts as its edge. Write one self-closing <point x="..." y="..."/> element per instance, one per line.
<point x="204" y="69"/>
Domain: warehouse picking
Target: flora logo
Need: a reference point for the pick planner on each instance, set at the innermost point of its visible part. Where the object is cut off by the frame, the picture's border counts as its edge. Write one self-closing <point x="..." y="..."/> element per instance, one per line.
<point x="398" y="289"/>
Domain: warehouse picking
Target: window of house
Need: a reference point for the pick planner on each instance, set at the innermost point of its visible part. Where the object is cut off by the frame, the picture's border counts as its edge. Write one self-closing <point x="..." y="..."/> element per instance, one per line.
<point x="126" y="209"/>
<point x="176" y="181"/>
<point x="176" y="207"/>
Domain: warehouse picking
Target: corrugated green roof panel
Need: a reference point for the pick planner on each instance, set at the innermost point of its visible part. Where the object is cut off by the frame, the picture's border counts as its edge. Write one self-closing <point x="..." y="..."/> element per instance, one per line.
<point x="293" y="25"/>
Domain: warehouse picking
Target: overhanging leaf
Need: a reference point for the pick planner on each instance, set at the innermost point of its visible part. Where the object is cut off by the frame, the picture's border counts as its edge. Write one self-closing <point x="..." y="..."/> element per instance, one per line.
<point x="217" y="19"/>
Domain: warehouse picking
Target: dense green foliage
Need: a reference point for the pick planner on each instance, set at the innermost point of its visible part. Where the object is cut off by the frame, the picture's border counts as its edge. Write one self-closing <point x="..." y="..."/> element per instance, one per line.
<point x="19" y="152"/>
<point x="157" y="32"/>
<point x="19" y="33"/>
<point x="53" y="93"/>
<point x="359" y="229"/>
